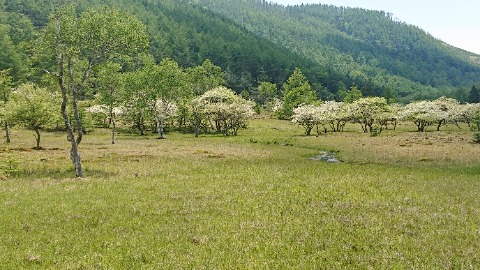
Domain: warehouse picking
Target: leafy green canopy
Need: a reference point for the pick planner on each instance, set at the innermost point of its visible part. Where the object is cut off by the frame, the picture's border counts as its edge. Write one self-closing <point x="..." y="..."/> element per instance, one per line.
<point x="32" y="107"/>
<point x="296" y="91"/>
<point x="76" y="46"/>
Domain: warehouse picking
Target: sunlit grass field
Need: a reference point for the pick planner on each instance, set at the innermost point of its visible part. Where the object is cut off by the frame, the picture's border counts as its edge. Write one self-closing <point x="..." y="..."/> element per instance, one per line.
<point x="255" y="201"/>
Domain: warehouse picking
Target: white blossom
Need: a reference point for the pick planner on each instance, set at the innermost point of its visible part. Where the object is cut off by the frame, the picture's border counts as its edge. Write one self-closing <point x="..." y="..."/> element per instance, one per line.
<point x="335" y="114"/>
<point x="169" y="109"/>
<point x="307" y="116"/>
<point x="103" y="109"/>
<point x="220" y="109"/>
<point x="464" y="113"/>
<point x="369" y="111"/>
<point x="423" y="114"/>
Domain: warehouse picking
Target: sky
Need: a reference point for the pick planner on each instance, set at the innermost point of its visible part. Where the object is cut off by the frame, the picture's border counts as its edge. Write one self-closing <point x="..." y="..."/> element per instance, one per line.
<point x="454" y="22"/>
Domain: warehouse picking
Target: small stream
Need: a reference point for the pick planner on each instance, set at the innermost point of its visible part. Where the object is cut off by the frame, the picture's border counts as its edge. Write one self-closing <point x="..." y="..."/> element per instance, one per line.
<point x="326" y="156"/>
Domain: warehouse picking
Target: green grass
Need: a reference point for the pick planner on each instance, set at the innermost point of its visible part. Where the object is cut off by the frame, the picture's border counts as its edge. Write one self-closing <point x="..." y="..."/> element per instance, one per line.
<point x="256" y="201"/>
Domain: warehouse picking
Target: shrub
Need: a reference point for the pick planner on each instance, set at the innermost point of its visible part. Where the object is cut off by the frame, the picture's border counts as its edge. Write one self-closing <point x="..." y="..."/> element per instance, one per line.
<point x="8" y="166"/>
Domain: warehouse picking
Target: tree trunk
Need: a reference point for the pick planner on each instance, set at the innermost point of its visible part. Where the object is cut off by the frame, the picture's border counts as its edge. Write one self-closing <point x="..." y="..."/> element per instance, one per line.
<point x="364" y="128"/>
<point x="210" y="122"/>
<point x="370" y="127"/>
<point x="308" y="131"/>
<point x="141" y="127"/>
<point x="440" y="123"/>
<point x="114" y="126"/>
<point x="77" y="163"/>
<point x="158" y="123"/>
<point x="218" y="126"/>
<point x="76" y="115"/>
<point x="7" y="132"/>
<point x="227" y="130"/>
<point x="421" y="127"/>
<point x="162" y="126"/>
<point x="74" y="155"/>
<point x="37" y="138"/>
<point x="197" y="124"/>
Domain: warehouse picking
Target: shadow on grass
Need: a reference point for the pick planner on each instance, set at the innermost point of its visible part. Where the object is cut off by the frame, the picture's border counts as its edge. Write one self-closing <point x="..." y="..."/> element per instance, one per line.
<point x="26" y="149"/>
<point x="58" y="173"/>
<point x="472" y="170"/>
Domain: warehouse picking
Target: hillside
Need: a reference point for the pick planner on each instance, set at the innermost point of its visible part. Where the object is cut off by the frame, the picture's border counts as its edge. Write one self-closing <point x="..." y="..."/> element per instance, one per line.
<point x="188" y="34"/>
<point x="254" y="41"/>
<point x="369" y="48"/>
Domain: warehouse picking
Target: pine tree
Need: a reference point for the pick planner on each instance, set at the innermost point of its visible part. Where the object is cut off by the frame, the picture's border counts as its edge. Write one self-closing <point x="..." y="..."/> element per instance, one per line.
<point x="474" y="96"/>
<point x="296" y="91"/>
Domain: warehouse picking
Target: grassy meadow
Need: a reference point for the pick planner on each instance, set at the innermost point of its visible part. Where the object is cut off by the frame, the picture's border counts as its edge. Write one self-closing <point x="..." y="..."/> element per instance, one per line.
<point x="255" y="201"/>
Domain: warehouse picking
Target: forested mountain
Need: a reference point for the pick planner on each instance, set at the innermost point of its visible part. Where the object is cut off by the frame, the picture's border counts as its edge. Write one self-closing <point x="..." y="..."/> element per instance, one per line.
<point x="189" y="34"/>
<point x="369" y="48"/>
<point x="254" y="41"/>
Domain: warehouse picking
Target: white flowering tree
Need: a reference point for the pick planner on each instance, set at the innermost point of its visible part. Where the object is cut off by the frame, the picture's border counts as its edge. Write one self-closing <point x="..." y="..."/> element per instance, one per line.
<point x="423" y="114"/>
<point x="103" y="113"/>
<point x="335" y="114"/>
<point x="306" y="116"/>
<point x="395" y="116"/>
<point x="197" y="115"/>
<point x="328" y="114"/>
<point x="274" y="106"/>
<point x="240" y="112"/>
<point x="220" y="109"/>
<point x="464" y="113"/>
<point x="369" y="111"/>
<point x="450" y="106"/>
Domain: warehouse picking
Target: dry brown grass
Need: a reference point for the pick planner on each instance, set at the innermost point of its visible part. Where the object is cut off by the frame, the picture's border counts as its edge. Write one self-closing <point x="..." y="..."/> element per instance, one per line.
<point x="448" y="147"/>
<point x="131" y="155"/>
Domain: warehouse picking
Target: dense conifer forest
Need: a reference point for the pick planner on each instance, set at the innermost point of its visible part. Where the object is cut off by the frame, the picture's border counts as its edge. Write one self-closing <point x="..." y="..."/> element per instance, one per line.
<point x="257" y="41"/>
